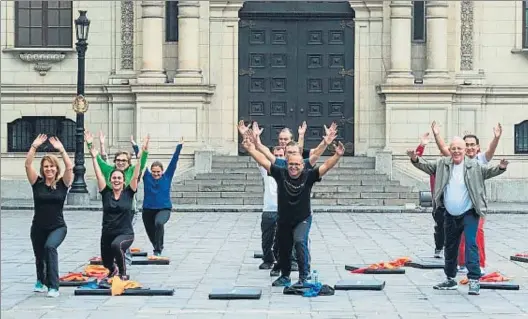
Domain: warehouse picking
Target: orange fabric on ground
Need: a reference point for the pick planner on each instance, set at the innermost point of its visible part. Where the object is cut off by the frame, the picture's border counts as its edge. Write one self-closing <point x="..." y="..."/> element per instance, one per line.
<point x="73" y="276"/>
<point x="135" y="250"/>
<point x="97" y="271"/>
<point x="521" y="255"/>
<point x="119" y="286"/>
<point x="396" y="263"/>
<point x="97" y="258"/>
<point x="491" y="277"/>
<point x="157" y="258"/>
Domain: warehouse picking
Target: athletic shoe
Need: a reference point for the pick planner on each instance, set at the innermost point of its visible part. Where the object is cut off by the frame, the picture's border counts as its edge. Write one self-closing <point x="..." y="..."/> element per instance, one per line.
<point x="462" y="270"/>
<point x="282" y="281"/>
<point x="448" y="284"/>
<point x="39" y="287"/>
<point x="53" y="293"/>
<point x="294" y="266"/>
<point x="482" y="271"/>
<point x="275" y="272"/>
<point x="266" y="265"/>
<point x="438" y="253"/>
<point x="474" y="287"/>
<point x="156" y="253"/>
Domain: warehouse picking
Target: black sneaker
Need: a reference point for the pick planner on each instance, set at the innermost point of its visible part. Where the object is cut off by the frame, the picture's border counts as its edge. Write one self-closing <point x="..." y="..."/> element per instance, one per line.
<point x="474" y="287"/>
<point x="438" y="253"/>
<point x="448" y="284"/>
<point x="275" y="272"/>
<point x="282" y="281"/>
<point x="301" y="283"/>
<point x="294" y="266"/>
<point x="266" y="265"/>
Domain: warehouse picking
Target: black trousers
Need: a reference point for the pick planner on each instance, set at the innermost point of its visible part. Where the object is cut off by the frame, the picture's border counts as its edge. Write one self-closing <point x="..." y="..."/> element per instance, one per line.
<point x="45" y="244"/>
<point x="113" y="249"/>
<point x="290" y="235"/>
<point x="270" y="246"/>
<point x="154" y="221"/>
<point x="439" y="233"/>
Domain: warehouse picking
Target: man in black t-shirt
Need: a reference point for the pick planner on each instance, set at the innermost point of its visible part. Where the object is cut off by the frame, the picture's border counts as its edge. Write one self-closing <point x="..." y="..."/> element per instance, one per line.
<point x="294" y="185"/>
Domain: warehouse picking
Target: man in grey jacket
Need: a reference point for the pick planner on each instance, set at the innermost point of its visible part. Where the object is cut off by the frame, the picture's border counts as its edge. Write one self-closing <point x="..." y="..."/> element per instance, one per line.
<point x="459" y="188"/>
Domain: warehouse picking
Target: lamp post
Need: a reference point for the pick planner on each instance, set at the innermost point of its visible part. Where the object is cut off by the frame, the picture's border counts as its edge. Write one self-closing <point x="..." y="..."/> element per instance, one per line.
<point x="79" y="192"/>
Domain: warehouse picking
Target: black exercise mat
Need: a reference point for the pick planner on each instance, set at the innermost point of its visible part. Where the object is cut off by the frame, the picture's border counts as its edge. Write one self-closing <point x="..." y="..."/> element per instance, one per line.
<point x="139" y="254"/>
<point x="127" y="292"/>
<point x="426" y="263"/>
<point x="72" y="283"/>
<point x="519" y="259"/>
<point x="499" y="285"/>
<point x="235" y="293"/>
<point x="139" y="261"/>
<point x="258" y="255"/>
<point x="351" y="284"/>
<point x="395" y="271"/>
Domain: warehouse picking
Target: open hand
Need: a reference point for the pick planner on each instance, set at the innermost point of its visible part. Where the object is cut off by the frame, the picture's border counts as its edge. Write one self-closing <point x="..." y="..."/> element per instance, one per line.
<point x="412" y="154"/>
<point x="497" y="130"/>
<point x="340" y="149"/>
<point x="242" y="128"/>
<point x="302" y="129"/>
<point x="330" y="137"/>
<point x="88" y="137"/>
<point x="56" y="143"/>
<point x="132" y="140"/>
<point x="435" y="127"/>
<point x="39" y="140"/>
<point x="101" y="137"/>
<point x="247" y="144"/>
<point x="256" y="130"/>
<point x="424" y="140"/>
<point x="146" y="142"/>
<point x="503" y="163"/>
<point x="181" y="140"/>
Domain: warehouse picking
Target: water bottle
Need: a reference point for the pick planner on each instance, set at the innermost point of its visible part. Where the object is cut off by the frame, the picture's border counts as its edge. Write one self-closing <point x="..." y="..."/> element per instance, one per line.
<point x="315" y="278"/>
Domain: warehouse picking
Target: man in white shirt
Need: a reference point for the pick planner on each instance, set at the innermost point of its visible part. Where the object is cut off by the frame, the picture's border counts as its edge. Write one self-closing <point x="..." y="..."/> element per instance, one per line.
<point x="459" y="188"/>
<point x="268" y="224"/>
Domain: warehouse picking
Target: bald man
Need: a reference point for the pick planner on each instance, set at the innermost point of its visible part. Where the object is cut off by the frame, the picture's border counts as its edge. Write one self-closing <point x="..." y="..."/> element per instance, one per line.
<point x="459" y="189"/>
<point x="294" y="186"/>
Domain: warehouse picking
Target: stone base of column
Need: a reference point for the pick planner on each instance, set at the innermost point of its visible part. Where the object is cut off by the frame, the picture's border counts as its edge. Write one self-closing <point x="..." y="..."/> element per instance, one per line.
<point x="123" y="77"/>
<point x="184" y="76"/>
<point x="78" y="199"/>
<point x="436" y="77"/>
<point x="400" y="77"/>
<point x="151" y="77"/>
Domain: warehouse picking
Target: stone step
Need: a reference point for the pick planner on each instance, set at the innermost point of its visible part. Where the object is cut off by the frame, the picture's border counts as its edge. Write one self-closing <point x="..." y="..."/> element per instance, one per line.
<point x="254" y="171"/>
<point x="245" y="159"/>
<point x="253" y="165"/>
<point x="319" y="188"/>
<point x="195" y="184"/>
<point x="315" y="201"/>
<point x="317" y="195"/>
<point x="330" y="176"/>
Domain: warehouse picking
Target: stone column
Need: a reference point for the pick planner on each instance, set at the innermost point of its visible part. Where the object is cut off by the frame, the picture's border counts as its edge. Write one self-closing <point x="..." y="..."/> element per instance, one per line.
<point x="436" y="17"/>
<point x="400" y="32"/>
<point x="152" y="18"/>
<point x="188" y="71"/>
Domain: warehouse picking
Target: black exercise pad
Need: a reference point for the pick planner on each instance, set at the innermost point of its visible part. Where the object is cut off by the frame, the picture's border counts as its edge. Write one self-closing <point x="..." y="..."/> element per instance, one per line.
<point x="127" y="292"/>
<point x="395" y="271"/>
<point x="519" y="259"/>
<point x="138" y="261"/>
<point x="349" y="284"/>
<point x="235" y="293"/>
<point x="72" y="283"/>
<point x="139" y="254"/>
<point x="258" y="255"/>
<point x="499" y="285"/>
<point x="433" y="263"/>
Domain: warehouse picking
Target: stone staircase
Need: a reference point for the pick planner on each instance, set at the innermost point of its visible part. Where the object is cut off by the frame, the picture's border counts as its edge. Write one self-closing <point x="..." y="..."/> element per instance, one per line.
<point x="236" y="180"/>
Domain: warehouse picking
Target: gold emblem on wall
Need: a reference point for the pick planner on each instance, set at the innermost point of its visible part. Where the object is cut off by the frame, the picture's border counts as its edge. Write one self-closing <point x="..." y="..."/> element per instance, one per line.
<point x="80" y="105"/>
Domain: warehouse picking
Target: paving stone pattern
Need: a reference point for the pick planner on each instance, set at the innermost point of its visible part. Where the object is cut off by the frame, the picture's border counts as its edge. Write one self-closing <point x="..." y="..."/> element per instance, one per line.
<point x="216" y="250"/>
<point x="236" y="180"/>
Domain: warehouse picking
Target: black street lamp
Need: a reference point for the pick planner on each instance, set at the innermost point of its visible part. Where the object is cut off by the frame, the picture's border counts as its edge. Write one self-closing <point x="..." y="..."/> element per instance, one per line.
<point x="82" y="25"/>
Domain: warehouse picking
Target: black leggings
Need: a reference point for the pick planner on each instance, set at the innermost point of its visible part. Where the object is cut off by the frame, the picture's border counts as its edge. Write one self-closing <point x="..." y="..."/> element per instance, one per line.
<point x="290" y="235"/>
<point x="113" y="249"/>
<point x="45" y="244"/>
<point x="154" y="221"/>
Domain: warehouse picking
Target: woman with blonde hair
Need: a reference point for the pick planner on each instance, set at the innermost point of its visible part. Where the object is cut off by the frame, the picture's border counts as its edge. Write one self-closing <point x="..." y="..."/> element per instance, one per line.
<point x="48" y="228"/>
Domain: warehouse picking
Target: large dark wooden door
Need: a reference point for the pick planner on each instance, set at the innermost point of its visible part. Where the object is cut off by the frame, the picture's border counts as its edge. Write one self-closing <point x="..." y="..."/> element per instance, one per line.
<point x="296" y="63"/>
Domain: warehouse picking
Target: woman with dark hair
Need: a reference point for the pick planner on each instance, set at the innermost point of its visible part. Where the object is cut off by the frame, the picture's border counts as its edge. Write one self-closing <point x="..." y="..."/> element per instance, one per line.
<point x="48" y="228"/>
<point x="157" y="203"/>
<point x="117" y="233"/>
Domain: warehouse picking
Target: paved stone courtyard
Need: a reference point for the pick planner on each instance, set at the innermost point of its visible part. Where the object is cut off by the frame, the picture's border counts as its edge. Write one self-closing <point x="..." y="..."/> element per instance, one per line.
<point x="216" y="250"/>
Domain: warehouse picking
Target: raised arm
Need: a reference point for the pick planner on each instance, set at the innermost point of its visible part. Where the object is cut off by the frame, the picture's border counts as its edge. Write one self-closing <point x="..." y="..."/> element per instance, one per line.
<point x="256" y="131"/>
<point x="102" y="150"/>
<point x="31" y="172"/>
<point x="497" y="132"/>
<point x="135" y="147"/>
<point x="332" y="161"/>
<point x="171" y="168"/>
<point x="442" y="146"/>
<point x="421" y="164"/>
<point x="424" y="140"/>
<point x="492" y="171"/>
<point x="106" y="168"/>
<point x="101" y="180"/>
<point x="144" y="153"/>
<point x="249" y="146"/>
<point x="331" y="134"/>
<point x="134" y="181"/>
<point x="67" y="177"/>
<point x="301" y="131"/>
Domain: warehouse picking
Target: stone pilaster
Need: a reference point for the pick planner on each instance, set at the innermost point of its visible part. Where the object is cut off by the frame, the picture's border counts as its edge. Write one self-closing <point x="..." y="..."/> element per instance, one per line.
<point x="188" y="71"/>
<point x="436" y="71"/>
<point x="152" y="64"/>
<point x="400" y="35"/>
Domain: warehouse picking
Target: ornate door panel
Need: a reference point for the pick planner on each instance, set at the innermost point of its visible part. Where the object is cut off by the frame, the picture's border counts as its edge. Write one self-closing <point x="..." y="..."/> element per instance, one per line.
<point x="325" y="56"/>
<point x="268" y="75"/>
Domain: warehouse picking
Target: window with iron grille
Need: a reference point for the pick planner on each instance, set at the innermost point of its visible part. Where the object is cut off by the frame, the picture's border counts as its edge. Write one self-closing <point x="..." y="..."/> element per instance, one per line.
<point x="521" y="137"/>
<point x="23" y="131"/>
<point x="171" y="21"/>
<point x="43" y="24"/>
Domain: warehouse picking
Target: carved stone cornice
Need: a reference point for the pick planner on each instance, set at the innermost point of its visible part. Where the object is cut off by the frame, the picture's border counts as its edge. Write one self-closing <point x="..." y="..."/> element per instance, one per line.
<point x="42" y="58"/>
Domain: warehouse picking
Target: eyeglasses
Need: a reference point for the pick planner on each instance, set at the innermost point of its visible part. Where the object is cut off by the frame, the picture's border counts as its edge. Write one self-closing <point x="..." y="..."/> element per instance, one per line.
<point x="121" y="160"/>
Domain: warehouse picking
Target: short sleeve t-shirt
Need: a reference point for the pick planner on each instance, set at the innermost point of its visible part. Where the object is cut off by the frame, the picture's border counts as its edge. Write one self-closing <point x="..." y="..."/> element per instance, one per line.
<point x="481" y="158"/>
<point x="117" y="213"/>
<point x="293" y="194"/>
<point x="49" y="204"/>
<point x="306" y="153"/>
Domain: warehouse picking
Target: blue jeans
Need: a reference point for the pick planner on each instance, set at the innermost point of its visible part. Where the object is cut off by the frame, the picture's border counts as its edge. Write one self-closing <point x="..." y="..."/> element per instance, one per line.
<point x="453" y="227"/>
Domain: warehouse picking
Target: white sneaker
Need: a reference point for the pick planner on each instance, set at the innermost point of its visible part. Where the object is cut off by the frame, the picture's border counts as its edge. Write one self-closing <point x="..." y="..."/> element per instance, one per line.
<point x="39" y="287"/>
<point x="53" y="293"/>
<point x="482" y="271"/>
<point x="462" y="269"/>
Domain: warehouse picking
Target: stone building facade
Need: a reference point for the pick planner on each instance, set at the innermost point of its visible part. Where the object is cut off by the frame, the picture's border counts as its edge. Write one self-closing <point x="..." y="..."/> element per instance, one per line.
<point x="383" y="69"/>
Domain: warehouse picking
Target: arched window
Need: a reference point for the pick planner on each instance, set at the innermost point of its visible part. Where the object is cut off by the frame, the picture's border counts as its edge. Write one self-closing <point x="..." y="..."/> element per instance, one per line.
<point x="23" y="131"/>
<point x="521" y="137"/>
